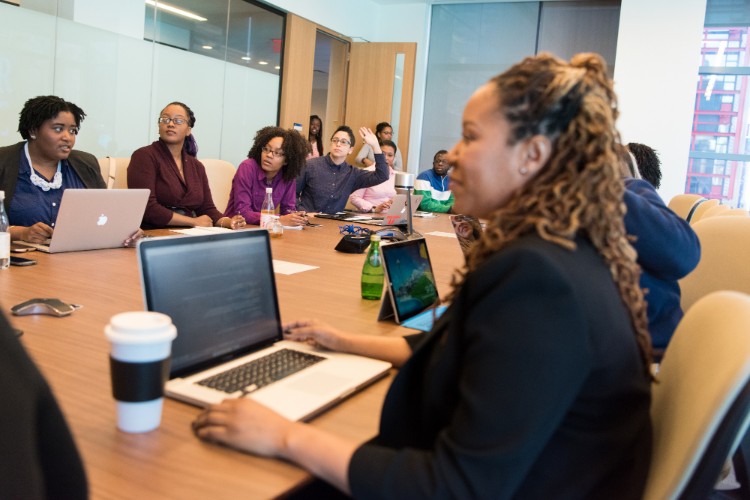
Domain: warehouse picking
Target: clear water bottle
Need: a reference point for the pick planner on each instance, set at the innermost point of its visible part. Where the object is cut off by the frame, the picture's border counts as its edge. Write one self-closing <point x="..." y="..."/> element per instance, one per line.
<point x="372" y="271"/>
<point x="266" y="210"/>
<point x="277" y="228"/>
<point x="4" y="234"/>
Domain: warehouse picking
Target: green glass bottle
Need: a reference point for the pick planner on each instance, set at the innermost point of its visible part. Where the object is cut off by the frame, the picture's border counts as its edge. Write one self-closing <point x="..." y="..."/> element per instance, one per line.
<point x="372" y="271"/>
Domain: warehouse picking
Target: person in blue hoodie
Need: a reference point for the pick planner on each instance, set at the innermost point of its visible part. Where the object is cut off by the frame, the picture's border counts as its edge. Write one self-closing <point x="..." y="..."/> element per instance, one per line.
<point x="433" y="186"/>
<point x="668" y="249"/>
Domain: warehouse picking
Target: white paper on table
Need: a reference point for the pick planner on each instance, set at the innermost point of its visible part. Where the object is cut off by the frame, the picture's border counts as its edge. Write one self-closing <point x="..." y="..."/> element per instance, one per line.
<point x="293" y="227"/>
<point x="201" y="231"/>
<point x="443" y="234"/>
<point x="283" y="267"/>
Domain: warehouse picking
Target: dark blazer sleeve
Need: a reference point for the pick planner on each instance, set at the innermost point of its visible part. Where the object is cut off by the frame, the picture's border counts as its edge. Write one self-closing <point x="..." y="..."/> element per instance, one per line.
<point x="38" y="458"/>
<point x="668" y="248"/>
<point x="367" y="178"/>
<point x="207" y="207"/>
<point x="300" y="184"/>
<point x="515" y="361"/>
<point x="142" y="173"/>
<point x="10" y="164"/>
<point x="87" y="167"/>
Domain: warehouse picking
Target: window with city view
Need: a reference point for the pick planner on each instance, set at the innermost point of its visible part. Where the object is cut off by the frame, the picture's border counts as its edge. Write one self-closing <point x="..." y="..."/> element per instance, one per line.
<point x="719" y="149"/>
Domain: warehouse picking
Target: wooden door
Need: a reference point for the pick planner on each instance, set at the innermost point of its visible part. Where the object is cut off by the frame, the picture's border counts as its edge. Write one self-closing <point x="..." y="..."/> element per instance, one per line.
<point x="369" y="92"/>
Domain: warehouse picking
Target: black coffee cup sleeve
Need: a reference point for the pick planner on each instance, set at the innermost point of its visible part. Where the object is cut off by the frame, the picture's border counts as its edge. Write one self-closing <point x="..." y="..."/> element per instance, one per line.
<point x="138" y="382"/>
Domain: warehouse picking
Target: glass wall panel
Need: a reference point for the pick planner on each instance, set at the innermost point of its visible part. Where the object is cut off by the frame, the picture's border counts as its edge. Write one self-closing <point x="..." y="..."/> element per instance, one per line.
<point x="471" y="43"/>
<point x="122" y="61"/>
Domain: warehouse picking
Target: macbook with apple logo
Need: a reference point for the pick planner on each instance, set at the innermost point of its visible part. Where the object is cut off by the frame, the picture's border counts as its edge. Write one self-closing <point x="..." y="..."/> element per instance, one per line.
<point x="92" y="219"/>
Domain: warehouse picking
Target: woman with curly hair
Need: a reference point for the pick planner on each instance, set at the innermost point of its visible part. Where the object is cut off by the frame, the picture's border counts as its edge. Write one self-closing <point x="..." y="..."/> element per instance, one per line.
<point x="275" y="160"/>
<point x="534" y="383"/>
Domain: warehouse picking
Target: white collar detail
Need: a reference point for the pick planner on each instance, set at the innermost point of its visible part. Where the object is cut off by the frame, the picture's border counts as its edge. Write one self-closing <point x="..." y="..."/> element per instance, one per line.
<point x="39" y="181"/>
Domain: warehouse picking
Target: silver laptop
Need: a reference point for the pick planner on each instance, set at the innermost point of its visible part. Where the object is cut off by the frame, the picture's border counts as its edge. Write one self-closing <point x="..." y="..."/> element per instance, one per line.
<point x="91" y="219"/>
<point x="397" y="214"/>
<point x="229" y="339"/>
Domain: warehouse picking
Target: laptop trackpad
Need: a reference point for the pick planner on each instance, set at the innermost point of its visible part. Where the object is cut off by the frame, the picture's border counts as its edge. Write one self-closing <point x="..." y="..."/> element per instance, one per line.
<point x="320" y="384"/>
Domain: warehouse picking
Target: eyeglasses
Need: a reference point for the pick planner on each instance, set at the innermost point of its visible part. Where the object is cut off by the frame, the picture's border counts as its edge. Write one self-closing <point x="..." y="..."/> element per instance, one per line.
<point x="272" y="152"/>
<point x="176" y="121"/>
<point x="352" y="229"/>
<point x="343" y="142"/>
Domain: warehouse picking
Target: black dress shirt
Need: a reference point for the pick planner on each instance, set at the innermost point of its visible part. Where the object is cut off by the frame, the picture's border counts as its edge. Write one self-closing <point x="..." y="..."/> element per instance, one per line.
<point x="325" y="187"/>
<point x="38" y="458"/>
<point x="530" y="386"/>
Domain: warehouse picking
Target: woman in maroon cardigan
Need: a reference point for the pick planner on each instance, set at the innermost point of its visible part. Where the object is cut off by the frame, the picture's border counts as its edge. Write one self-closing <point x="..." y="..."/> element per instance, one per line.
<point x="180" y="195"/>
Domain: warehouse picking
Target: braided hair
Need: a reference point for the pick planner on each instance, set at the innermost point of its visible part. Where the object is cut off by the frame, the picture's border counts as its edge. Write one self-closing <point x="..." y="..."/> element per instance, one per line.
<point x="190" y="146"/>
<point x="579" y="189"/>
<point x="319" y="136"/>
<point x="296" y="148"/>
<point x="39" y="109"/>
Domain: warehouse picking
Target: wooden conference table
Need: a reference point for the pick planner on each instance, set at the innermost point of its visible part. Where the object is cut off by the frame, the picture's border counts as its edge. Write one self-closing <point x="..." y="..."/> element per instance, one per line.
<point x="171" y="462"/>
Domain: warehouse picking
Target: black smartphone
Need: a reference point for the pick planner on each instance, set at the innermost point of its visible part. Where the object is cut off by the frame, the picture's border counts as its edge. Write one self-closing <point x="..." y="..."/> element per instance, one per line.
<point x="20" y="261"/>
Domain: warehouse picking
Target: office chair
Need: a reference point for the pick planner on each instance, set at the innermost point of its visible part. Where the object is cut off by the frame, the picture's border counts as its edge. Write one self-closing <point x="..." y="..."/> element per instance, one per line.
<point x="220" y="174"/>
<point x="682" y="204"/>
<point x="713" y="211"/>
<point x="701" y="209"/>
<point x="737" y="212"/>
<point x="724" y="264"/>
<point x="701" y="399"/>
<point x="115" y="172"/>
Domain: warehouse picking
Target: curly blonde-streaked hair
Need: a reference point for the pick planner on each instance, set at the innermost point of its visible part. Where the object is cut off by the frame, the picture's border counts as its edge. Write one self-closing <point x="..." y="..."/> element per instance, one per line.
<point x="579" y="190"/>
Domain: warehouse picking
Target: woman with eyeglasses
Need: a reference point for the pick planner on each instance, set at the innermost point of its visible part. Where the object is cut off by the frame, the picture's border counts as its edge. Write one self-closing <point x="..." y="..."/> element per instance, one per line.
<point x="275" y="160"/>
<point x="180" y="195"/>
<point x="534" y="383"/>
<point x="34" y="173"/>
<point x="326" y="182"/>
<point x="378" y="198"/>
<point x="366" y="156"/>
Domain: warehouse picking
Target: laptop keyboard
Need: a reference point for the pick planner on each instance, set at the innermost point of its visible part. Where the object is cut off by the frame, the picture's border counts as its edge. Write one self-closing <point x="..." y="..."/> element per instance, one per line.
<point x="260" y="372"/>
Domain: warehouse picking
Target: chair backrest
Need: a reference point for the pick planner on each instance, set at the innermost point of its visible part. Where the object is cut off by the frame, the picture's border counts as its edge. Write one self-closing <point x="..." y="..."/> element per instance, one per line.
<point x="724" y="264"/>
<point x="711" y="212"/>
<point x="220" y="174"/>
<point x="737" y="212"/>
<point x="115" y="172"/>
<point x="702" y="209"/>
<point x="683" y="203"/>
<point x="701" y="400"/>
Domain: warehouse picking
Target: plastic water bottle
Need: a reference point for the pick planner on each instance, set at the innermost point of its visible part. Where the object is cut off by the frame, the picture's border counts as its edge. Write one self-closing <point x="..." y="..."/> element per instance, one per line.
<point x="266" y="210"/>
<point x="372" y="271"/>
<point x="4" y="234"/>
<point x="276" y="228"/>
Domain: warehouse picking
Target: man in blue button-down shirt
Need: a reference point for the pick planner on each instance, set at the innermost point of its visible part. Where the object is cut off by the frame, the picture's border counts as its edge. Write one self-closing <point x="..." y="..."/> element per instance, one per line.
<point x="327" y="181"/>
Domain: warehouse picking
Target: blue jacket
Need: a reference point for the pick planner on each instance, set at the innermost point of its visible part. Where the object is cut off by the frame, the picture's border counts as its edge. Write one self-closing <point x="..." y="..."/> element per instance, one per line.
<point x="668" y="249"/>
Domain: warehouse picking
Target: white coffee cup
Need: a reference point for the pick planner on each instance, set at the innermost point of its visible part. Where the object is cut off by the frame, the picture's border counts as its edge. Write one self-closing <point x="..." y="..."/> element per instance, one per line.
<point x="139" y="363"/>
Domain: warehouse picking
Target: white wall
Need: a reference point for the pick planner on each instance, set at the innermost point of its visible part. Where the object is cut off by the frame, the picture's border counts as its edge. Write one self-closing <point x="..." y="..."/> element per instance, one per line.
<point x="352" y="18"/>
<point x="656" y="87"/>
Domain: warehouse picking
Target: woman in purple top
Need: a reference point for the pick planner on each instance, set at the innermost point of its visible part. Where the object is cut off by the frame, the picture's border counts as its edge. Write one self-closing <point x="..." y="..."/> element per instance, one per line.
<point x="275" y="160"/>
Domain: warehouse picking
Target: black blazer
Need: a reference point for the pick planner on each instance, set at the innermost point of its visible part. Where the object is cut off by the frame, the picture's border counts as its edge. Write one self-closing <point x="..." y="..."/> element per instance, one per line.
<point x="38" y="458"/>
<point x="84" y="164"/>
<point x="529" y="387"/>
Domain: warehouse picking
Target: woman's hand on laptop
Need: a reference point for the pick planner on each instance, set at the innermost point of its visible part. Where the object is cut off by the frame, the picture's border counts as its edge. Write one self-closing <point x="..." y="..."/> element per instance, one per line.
<point x="384" y="207"/>
<point x="38" y="233"/>
<point x="131" y="240"/>
<point x="316" y="333"/>
<point x="244" y="424"/>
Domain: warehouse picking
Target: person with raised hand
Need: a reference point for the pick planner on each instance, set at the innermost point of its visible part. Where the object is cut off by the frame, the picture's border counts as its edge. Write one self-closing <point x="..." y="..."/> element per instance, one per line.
<point x="366" y="155"/>
<point x="535" y="382"/>
<point x="180" y="194"/>
<point x="326" y="182"/>
<point x="378" y="198"/>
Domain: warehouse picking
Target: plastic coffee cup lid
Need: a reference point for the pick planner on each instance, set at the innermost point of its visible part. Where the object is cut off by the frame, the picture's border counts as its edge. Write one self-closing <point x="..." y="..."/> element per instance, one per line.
<point x="140" y="327"/>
